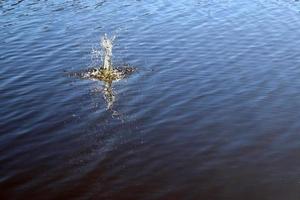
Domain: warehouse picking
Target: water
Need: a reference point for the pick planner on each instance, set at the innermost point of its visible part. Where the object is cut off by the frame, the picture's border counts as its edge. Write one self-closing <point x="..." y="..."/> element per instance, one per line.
<point x="211" y="113"/>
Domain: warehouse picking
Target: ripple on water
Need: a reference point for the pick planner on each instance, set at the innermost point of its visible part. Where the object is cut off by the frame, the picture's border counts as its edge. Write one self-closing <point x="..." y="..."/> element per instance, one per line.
<point x="210" y="113"/>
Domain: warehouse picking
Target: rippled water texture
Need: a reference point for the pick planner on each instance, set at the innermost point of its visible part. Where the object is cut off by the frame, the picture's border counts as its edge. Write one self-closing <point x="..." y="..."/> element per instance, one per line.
<point x="212" y="112"/>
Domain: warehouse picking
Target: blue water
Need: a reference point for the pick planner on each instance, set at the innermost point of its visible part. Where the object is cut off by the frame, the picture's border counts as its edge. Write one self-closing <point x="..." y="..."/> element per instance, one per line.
<point x="212" y="111"/>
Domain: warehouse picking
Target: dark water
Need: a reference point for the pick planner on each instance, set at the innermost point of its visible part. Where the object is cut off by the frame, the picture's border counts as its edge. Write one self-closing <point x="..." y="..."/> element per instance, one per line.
<point x="212" y="112"/>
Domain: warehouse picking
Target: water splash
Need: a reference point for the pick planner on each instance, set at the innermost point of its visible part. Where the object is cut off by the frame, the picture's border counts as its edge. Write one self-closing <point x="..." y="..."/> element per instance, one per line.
<point x="106" y="71"/>
<point x="107" y="45"/>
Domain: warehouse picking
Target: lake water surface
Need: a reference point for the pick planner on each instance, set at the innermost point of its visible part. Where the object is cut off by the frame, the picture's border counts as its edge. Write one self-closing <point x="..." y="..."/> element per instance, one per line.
<point x="212" y="111"/>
